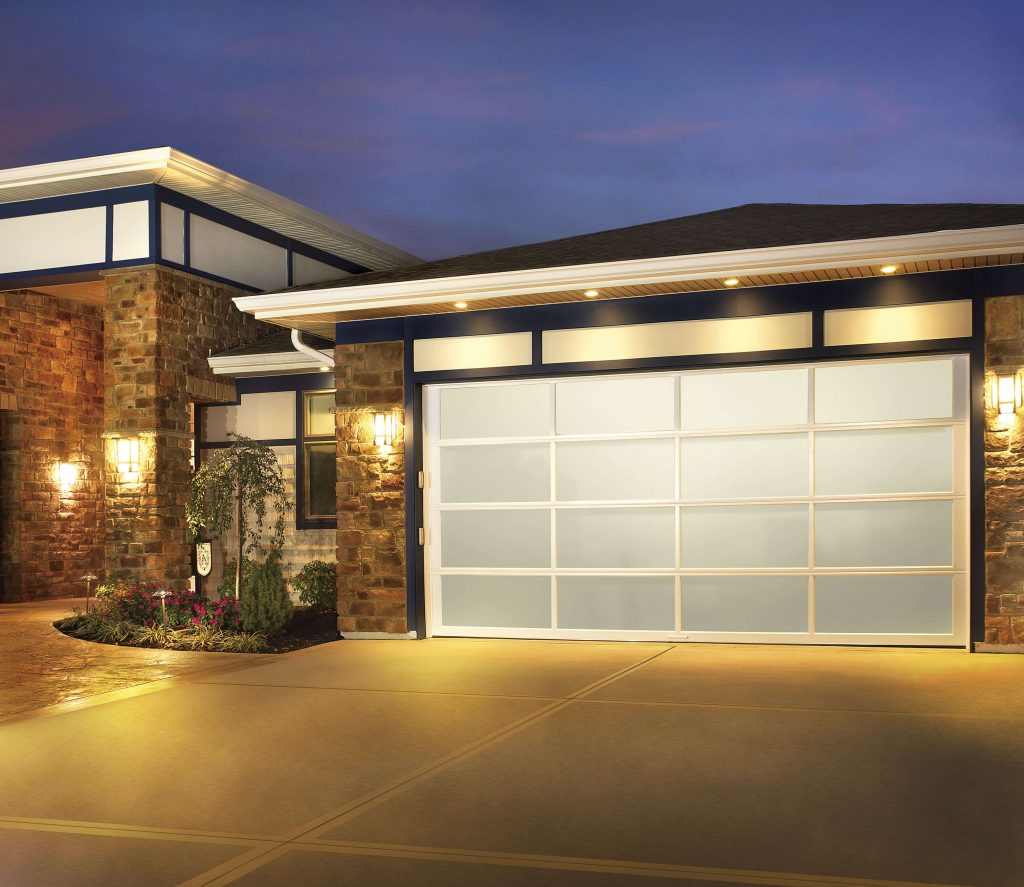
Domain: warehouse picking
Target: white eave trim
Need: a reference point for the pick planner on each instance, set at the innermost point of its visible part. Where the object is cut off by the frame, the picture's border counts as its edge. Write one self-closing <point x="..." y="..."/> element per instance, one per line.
<point x="255" y="364"/>
<point x="154" y="164"/>
<point x="634" y="272"/>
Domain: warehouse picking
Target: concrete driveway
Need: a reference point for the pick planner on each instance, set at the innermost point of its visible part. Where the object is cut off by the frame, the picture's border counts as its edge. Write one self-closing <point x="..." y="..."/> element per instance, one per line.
<point x="508" y="763"/>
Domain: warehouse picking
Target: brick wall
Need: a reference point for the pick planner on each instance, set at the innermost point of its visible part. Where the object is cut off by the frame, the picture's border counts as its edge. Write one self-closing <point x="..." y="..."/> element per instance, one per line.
<point x="1004" y="480"/>
<point x="160" y="325"/>
<point x="51" y="397"/>
<point x="300" y="546"/>
<point x="371" y="491"/>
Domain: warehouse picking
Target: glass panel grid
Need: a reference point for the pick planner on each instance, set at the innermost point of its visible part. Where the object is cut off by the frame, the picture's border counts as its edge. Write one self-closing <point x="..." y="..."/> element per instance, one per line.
<point x="953" y="495"/>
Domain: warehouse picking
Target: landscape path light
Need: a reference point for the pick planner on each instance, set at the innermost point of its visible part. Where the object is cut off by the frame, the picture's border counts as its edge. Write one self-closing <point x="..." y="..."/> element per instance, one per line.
<point x="88" y="579"/>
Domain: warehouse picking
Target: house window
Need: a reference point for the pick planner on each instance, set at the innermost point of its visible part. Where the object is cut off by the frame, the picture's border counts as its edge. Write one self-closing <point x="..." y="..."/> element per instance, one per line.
<point x="319" y="501"/>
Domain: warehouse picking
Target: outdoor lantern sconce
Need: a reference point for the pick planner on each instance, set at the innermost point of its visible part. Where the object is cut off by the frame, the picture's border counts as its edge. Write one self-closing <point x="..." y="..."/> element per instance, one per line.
<point x="65" y="474"/>
<point x="384" y="431"/>
<point x="128" y="457"/>
<point x="1008" y="393"/>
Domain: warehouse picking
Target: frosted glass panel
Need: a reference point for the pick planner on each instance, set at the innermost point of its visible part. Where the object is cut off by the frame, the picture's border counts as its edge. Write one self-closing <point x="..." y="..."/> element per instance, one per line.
<point x="623" y="603"/>
<point x="745" y="466"/>
<point x="509" y="538"/>
<point x="496" y="473"/>
<point x="616" y="469"/>
<point x="884" y="534"/>
<point x="744" y="399"/>
<point x="616" y="537"/>
<point x="496" y="601"/>
<point x="319" y="418"/>
<point x="745" y="536"/>
<point x="884" y="604"/>
<point x="496" y="411"/>
<point x="745" y="603"/>
<point x="608" y="406"/>
<point x="896" y="460"/>
<point x="877" y="392"/>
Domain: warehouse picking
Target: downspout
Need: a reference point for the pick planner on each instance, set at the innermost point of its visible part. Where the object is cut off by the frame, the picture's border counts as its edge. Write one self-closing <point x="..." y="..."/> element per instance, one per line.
<point x="312" y="352"/>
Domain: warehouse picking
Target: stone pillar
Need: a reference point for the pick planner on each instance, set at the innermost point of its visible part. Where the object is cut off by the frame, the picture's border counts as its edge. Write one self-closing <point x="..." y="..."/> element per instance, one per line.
<point x="1004" y="480"/>
<point x="160" y="325"/>
<point x="369" y="379"/>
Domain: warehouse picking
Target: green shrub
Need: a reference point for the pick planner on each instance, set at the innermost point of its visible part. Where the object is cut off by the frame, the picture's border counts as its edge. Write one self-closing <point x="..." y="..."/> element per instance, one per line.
<point x="104" y="630"/>
<point x="317" y="585"/>
<point x="265" y="605"/>
<point x="226" y="588"/>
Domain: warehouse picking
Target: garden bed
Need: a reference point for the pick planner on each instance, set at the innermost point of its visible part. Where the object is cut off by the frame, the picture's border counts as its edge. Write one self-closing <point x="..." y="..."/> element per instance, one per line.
<point x="304" y="629"/>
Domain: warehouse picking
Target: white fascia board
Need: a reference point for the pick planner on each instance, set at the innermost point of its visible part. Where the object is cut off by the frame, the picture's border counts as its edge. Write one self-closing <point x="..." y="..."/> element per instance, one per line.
<point x="635" y="272"/>
<point x="254" y="364"/>
<point x="152" y="165"/>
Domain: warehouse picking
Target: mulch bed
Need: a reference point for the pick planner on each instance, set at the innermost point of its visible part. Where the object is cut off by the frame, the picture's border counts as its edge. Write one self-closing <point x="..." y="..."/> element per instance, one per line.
<point x="306" y="630"/>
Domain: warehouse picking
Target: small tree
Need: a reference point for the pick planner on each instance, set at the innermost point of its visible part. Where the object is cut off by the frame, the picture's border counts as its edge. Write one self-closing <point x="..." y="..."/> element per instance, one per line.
<point x="234" y="485"/>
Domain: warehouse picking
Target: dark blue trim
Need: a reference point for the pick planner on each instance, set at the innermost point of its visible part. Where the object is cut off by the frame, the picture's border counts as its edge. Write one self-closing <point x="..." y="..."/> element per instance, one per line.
<point x="108" y="256"/>
<point x="289" y="269"/>
<point x="359" y="332"/>
<point x="65" y="274"/>
<point x="155" y="232"/>
<point x="415" y="579"/>
<point x="186" y="241"/>
<point x="976" y="494"/>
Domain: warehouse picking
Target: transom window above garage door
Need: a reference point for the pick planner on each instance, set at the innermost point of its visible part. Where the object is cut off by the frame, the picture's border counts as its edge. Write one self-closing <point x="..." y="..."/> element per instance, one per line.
<point x="818" y="503"/>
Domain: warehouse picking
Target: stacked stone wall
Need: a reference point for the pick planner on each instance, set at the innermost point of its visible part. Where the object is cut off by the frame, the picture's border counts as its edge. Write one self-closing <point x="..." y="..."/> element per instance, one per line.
<point x="51" y="412"/>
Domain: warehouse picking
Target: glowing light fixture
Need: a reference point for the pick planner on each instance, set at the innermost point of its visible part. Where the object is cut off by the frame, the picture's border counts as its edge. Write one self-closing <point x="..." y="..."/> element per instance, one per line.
<point x="384" y="431"/>
<point x="325" y="369"/>
<point x="128" y="457"/>
<point x="731" y="281"/>
<point x="461" y="305"/>
<point x="1009" y="394"/>
<point x="591" y="294"/>
<point x="65" y="474"/>
<point x="889" y="269"/>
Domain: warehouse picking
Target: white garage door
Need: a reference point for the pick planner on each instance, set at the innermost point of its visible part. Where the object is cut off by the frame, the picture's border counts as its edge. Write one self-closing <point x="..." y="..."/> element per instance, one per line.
<point x="821" y="503"/>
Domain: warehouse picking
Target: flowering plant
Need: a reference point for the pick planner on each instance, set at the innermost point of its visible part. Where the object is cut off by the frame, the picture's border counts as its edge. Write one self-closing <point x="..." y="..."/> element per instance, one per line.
<point x="149" y="602"/>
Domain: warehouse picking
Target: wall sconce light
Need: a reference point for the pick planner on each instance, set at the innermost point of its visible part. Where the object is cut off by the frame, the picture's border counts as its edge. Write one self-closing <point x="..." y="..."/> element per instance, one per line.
<point x="65" y="474"/>
<point x="1009" y="394"/>
<point x="128" y="457"/>
<point x="384" y="431"/>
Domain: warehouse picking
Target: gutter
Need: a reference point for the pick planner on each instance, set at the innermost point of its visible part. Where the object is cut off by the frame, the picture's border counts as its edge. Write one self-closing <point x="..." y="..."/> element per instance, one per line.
<point x="901" y="249"/>
<point x="311" y="352"/>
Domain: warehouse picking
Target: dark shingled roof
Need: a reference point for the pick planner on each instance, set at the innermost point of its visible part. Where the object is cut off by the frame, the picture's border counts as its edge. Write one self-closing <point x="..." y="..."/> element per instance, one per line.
<point x="277" y="343"/>
<point x="752" y="226"/>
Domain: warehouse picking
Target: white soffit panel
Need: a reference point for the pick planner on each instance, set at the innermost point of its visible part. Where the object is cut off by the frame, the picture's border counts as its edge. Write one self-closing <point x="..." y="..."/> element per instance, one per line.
<point x="898" y="323"/>
<point x="172" y="233"/>
<point x="227" y="253"/>
<point x="306" y="271"/>
<point x="131" y="230"/>
<point x="718" y="336"/>
<point x="53" y="240"/>
<point x="266" y="415"/>
<point x="472" y="352"/>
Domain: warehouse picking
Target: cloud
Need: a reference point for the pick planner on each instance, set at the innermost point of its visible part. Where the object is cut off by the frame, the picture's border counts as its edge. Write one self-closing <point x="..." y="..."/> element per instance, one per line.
<point x="654" y="133"/>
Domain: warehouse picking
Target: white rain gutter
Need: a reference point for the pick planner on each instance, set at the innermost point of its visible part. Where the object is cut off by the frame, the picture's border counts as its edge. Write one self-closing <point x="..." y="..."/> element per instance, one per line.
<point x="311" y="352"/>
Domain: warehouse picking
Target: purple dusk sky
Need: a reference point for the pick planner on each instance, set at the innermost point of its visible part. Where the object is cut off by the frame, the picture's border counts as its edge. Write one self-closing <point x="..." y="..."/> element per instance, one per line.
<point x="450" y="127"/>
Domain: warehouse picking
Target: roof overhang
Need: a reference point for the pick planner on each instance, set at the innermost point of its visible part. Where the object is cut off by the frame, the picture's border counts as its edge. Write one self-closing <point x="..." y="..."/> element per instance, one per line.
<point x="280" y="363"/>
<point x="315" y="309"/>
<point x="185" y="174"/>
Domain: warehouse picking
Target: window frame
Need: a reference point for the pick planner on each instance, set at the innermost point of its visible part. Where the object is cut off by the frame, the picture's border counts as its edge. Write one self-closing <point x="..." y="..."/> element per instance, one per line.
<point x="305" y="519"/>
